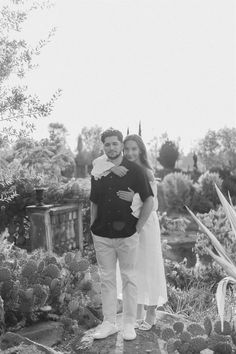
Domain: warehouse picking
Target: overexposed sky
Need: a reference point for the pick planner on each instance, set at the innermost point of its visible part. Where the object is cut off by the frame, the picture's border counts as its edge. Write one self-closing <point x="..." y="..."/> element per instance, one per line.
<point x="169" y="63"/>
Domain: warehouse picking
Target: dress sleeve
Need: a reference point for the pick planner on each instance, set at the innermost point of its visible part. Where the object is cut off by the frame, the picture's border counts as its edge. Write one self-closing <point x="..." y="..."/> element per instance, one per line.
<point x="142" y="185"/>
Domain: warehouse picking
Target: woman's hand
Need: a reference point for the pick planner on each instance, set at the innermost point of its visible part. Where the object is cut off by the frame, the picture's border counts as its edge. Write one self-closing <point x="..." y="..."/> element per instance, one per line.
<point x="119" y="170"/>
<point x="128" y="196"/>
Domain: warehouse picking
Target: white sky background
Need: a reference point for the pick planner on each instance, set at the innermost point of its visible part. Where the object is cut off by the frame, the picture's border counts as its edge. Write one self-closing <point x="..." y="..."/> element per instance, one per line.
<point x="169" y="63"/>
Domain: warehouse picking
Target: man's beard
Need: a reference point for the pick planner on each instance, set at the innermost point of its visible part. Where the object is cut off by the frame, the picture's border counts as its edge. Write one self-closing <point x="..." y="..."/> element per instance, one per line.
<point x="114" y="157"/>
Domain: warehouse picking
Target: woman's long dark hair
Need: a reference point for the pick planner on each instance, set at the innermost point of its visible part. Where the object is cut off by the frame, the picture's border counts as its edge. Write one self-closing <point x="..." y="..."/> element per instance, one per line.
<point x="143" y="151"/>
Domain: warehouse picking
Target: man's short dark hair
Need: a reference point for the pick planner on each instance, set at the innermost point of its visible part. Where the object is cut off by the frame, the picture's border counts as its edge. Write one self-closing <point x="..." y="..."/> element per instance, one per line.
<point x="111" y="132"/>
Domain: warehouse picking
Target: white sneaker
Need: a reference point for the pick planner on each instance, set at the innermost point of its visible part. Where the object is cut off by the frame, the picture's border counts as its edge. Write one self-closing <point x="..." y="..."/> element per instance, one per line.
<point x="105" y="330"/>
<point x="129" y="332"/>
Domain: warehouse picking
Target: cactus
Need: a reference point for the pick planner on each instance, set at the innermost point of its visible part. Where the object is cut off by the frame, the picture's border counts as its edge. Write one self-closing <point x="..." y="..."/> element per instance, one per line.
<point x="74" y="266"/>
<point x="178" y="344"/>
<point x="5" y="274"/>
<point x="184" y="349"/>
<point x="29" y="269"/>
<point x="73" y="305"/>
<point x="195" y="329"/>
<point x="41" y="266"/>
<point x="167" y="333"/>
<point x="6" y="289"/>
<point x="26" y="306"/>
<point x="38" y="290"/>
<point x="185" y="337"/>
<point x="207" y="325"/>
<point x="52" y="271"/>
<point x="54" y="283"/>
<point x="85" y="285"/>
<point x="83" y="265"/>
<point x="68" y="257"/>
<point x="78" y="266"/>
<point x="223" y="348"/>
<point x="178" y="327"/>
<point x="214" y="339"/>
<point x="197" y="344"/>
<point x="226" y="328"/>
<point x="47" y="281"/>
<point x="170" y="346"/>
<point x="24" y="282"/>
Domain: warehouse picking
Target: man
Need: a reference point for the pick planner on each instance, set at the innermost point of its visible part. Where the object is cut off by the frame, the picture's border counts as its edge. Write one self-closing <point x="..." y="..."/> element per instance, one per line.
<point x="115" y="234"/>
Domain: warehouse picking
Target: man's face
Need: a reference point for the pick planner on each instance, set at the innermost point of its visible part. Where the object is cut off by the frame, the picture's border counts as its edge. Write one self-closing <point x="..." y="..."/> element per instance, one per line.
<point x="112" y="147"/>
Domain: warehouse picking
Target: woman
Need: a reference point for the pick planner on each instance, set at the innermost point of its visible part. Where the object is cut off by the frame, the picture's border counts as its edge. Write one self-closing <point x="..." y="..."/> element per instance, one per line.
<point x="151" y="282"/>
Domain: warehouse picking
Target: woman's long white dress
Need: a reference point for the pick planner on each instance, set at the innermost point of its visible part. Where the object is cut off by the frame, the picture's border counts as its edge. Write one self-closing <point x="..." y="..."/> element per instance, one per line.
<point x="151" y="280"/>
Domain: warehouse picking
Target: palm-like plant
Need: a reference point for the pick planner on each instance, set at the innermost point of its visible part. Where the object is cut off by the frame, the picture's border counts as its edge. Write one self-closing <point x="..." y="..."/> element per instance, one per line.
<point x="221" y="258"/>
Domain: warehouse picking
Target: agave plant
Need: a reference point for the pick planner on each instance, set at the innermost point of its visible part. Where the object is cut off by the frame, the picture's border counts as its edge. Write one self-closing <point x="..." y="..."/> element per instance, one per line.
<point x="221" y="258"/>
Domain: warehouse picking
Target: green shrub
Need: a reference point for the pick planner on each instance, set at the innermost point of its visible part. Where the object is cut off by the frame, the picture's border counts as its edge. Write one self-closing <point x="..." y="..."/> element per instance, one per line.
<point x="206" y="186"/>
<point x="168" y="154"/>
<point x="178" y="190"/>
<point x="200" y="203"/>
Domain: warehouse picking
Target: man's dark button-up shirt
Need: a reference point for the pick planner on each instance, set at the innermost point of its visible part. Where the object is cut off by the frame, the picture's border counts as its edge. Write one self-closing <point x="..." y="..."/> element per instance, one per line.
<point x="114" y="215"/>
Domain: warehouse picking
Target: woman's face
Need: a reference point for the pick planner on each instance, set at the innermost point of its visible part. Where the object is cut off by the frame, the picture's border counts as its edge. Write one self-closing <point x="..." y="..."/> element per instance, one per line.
<point x="131" y="150"/>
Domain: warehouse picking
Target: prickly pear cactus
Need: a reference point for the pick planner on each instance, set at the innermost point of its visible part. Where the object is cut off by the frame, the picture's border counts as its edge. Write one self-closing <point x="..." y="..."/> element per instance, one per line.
<point x="30" y="283"/>
<point x="194" y="338"/>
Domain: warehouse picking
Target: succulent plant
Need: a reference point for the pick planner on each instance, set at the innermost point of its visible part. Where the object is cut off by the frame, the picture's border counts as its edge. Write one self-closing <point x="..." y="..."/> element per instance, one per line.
<point x="5" y="274"/>
<point x="41" y="266"/>
<point x="78" y="266"/>
<point x="185" y="337"/>
<point x="29" y="270"/>
<point x="38" y="290"/>
<point x="73" y="305"/>
<point x="167" y="333"/>
<point x="83" y="265"/>
<point x="207" y="325"/>
<point x="52" y="271"/>
<point x="223" y="348"/>
<point x="170" y="346"/>
<point x="68" y="257"/>
<point x="226" y="328"/>
<point x="74" y="266"/>
<point x="184" y="348"/>
<point x="86" y="285"/>
<point x="178" y="344"/>
<point x="6" y="289"/>
<point x="215" y="338"/>
<point x="178" y="327"/>
<point x="197" y="344"/>
<point x="54" y="283"/>
<point x="195" y="329"/>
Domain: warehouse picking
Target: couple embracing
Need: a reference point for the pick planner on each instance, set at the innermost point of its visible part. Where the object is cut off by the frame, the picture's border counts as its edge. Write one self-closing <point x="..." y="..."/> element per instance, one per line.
<point x="126" y="232"/>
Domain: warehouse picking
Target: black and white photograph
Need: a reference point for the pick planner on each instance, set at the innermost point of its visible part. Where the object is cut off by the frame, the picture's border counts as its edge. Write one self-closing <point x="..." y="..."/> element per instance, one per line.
<point x="117" y="177"/>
